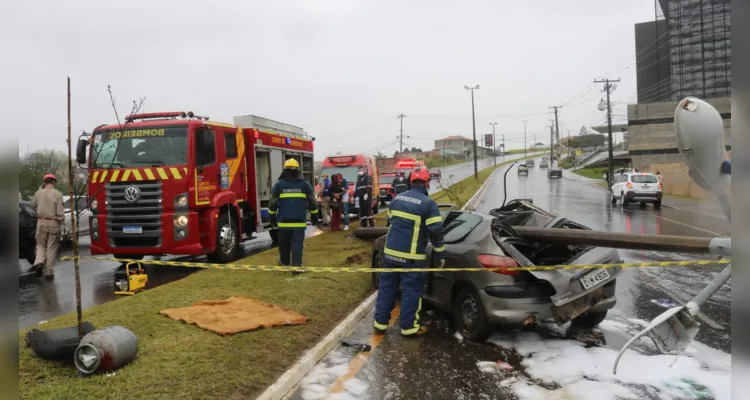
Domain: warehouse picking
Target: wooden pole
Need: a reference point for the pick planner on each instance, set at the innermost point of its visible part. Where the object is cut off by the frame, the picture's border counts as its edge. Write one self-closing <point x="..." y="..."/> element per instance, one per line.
<point x="73" y="216"/>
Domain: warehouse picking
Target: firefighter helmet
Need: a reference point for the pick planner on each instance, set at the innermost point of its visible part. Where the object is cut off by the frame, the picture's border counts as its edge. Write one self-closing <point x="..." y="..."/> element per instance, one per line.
<point x="419" y="173"/>
<point x="49" y="176"/>
<point x="291" y="164"/>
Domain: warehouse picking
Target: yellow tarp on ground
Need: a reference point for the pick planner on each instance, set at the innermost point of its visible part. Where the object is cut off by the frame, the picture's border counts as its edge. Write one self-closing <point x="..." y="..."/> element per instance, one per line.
<point x="236" y="314"/>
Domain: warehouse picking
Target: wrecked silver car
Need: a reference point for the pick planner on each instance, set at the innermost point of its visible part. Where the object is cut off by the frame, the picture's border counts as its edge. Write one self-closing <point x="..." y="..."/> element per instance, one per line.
<point x="476" y="301"/>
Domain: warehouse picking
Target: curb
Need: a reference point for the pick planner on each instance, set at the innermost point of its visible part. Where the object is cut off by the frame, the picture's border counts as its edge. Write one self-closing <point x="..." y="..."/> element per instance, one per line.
<point x="283" y="386"/>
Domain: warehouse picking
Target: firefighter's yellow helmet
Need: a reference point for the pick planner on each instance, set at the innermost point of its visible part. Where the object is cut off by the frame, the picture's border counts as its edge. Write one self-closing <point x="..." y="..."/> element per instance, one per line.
<point x="291" y="164"/>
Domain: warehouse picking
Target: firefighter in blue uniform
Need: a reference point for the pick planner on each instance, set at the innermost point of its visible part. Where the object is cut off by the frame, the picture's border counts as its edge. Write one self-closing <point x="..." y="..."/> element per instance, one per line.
<point x="400" y="185"/>
<point x="291" y="197"/>
<point x="363" y="193"/>
<point x="414" y="218"/>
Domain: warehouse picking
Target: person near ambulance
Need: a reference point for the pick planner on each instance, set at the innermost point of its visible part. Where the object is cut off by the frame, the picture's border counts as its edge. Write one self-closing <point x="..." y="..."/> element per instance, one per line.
<point x="363" y="193"/>
<point x="48" y="204"/>
<point x="291" y="197"/>
<point x="325" y="199"/>
<point x="415" y="218"/>
<point x="345" y="202"/>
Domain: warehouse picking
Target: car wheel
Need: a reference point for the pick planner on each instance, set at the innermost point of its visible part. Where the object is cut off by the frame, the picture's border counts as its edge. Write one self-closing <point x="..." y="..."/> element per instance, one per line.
<point x="589" y="319"/>
<point x="377" y="261"/>
<point x="657" y="204"/>
<point x="469" y="315"/>
<point x="227" y="240"/>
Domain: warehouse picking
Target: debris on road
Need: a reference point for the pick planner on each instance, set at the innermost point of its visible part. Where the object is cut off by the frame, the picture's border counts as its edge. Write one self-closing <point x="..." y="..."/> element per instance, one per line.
<point x="356" y="346"/>
<point x="666" y="303"/>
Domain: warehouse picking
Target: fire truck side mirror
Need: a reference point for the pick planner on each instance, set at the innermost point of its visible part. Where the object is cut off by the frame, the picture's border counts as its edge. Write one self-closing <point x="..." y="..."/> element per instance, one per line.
<point x="81" y="151"/>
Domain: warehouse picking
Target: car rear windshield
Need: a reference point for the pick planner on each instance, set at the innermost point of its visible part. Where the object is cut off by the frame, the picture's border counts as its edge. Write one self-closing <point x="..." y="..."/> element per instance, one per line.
<point x="459" y="228"/>
<point x="644" y="179"/>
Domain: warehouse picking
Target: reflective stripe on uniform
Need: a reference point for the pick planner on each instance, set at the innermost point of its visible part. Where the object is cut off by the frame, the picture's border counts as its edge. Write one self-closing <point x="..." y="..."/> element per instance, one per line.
<point x="382" y="327"/>
<point x="439" y="249"/>
<point x="315" y="211"/>
<point x="414" y="330"/>
<point x="415" y="233"/>
<point x="292" y="195"/>
<point x="292" y="225"/>
<point x="407" y="256"/>
<point x="433" y="220"/>
<point x="272" y="212"/>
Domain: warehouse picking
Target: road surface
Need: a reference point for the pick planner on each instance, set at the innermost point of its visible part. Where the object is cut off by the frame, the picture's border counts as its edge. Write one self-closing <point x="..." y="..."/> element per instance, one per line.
<point x="40" y="300"/>
<point x="553" y="362"/>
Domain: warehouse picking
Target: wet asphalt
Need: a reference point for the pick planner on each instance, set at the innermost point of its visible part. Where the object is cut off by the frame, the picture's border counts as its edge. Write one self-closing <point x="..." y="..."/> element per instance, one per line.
<point x="441" y="366"/>
<point x="40" y="300"/>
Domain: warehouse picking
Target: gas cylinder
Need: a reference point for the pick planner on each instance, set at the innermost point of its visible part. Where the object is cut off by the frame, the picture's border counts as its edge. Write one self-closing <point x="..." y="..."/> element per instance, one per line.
<point x="106" y="349"/>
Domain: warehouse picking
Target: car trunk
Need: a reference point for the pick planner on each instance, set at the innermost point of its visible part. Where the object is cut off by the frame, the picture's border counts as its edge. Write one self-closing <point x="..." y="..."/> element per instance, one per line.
<point x="576" y="289"/>
<point x="645" y="183"/>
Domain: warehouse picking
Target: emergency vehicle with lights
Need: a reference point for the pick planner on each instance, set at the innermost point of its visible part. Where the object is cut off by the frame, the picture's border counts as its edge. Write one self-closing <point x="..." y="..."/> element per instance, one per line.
<point x="348" y="166"/>
<point x="406" y="165"/>
<point x="176" y="183"/>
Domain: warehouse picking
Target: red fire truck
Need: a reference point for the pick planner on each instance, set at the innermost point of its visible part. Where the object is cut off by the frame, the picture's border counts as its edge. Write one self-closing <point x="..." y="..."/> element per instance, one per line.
<point x="176" y="183"/>
<point x="347" y="166"/>
<point x="406" y="165"/>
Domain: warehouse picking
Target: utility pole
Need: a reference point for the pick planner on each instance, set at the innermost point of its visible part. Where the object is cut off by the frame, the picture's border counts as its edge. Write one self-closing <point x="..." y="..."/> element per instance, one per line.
<point x="567" y="142"/>
<point x="524" y="138"/>
<point x="503" y="145"/>
<point x="557" y="132"/>
<point x="608" y="87"/>
<point x="401" y="135"/>
<point x="494" y="145"/>
<point x="474" y="129"/>
<point x="551" y="146"/>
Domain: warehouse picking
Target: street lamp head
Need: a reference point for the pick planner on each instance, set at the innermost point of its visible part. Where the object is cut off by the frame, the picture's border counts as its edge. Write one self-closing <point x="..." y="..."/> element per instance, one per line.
<point x="466" y="87"/>
<point x="471" y="87"/>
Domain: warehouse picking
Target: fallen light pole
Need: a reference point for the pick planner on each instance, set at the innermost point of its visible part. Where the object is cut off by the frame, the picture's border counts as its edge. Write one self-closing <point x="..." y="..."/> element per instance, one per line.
<point x="699" y="130"/>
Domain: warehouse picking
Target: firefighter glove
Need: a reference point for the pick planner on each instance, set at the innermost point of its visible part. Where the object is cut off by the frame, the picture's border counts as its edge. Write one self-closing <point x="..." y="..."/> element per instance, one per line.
<point x="364" y="197"/>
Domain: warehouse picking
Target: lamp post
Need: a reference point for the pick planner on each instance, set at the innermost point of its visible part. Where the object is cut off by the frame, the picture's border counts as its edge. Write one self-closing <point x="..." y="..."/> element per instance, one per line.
<point x="494" y="145"/>
<point x="474" y="129"/>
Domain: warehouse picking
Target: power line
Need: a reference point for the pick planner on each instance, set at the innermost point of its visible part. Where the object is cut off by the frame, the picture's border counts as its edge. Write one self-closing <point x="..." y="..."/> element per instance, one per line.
<point x="370" y="125"/>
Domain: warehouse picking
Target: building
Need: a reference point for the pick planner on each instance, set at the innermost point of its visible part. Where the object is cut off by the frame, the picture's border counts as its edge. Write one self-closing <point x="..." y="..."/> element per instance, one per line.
<point x="685" y="51"/>
<point x="460" y="146"/>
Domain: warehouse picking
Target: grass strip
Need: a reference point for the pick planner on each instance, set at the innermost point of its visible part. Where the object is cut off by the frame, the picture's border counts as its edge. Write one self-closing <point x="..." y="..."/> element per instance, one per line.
<point x="181" y="361"/>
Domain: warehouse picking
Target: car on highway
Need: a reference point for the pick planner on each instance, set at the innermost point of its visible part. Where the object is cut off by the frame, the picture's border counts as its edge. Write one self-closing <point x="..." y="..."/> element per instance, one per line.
<point x="523" y="169"/>
<point x="26" y="231"/>
<point x="543" y="163"/>
<point x="83" y="214"/>
<point x="435" y="174"/>
<point x="554" y="172"/>
<point x="387" y="192"/>
<point x="636" y="187"/>
<point x="530" y="162"/>
<point x="476" y="301"/>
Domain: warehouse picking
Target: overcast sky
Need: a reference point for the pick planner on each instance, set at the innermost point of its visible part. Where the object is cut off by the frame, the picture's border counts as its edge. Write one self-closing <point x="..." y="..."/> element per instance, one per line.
<point x="341" y="69"/>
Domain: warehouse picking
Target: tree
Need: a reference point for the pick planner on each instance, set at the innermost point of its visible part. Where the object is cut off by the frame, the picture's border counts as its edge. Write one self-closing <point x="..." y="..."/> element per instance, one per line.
<point x="37" y="164"/>
<point x="395" y="154"/>
<point x="380" y="156"/>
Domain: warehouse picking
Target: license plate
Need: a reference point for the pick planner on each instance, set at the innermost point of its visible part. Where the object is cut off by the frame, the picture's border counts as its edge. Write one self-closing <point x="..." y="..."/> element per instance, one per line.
<point x="132" y="229"/>
<point x="593" y="278"/>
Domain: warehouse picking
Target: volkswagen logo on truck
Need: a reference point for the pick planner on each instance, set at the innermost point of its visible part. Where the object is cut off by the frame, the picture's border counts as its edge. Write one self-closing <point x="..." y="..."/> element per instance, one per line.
<point x="132" y="194"/>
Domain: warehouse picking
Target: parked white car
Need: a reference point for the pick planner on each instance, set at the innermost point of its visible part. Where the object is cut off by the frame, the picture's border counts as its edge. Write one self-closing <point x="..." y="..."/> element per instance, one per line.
<point x="83" y="226"/>
<point x="636" y="187"/>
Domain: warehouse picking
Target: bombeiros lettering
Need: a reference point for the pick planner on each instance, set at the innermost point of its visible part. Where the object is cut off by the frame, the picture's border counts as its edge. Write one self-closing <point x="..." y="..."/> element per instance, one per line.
<point x="135" y="133"/>
<point x="408" y="199"/>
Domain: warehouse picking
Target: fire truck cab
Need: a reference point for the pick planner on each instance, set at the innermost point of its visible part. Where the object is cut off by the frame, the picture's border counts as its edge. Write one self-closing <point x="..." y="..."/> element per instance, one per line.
<point x="406" y="165"/>
<point x="177" y="183"/>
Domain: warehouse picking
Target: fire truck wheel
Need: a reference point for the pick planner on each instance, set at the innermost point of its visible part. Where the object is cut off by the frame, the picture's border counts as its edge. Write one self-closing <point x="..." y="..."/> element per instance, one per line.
<point x="227" y="241"/>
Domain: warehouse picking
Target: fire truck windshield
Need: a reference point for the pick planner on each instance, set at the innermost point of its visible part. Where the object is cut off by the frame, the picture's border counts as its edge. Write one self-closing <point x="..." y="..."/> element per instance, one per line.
<point x="349" y="173"/>
<point x="142" y="146"/>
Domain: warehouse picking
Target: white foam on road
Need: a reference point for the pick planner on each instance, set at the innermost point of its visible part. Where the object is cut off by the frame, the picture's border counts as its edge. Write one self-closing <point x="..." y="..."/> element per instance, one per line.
<point x="586" y="373"/>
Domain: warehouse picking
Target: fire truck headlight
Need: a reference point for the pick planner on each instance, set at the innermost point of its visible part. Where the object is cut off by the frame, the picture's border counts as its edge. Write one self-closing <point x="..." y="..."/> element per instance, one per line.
<point x="181" y="221"/>
<point x="181" y="201"/>
<point x="94" y="205"/>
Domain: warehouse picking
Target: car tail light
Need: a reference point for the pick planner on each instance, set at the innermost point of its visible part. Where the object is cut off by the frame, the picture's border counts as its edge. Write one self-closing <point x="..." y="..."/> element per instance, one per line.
<point x="630" y="185"/>
<point x="493" y="261"/>
<point x="660" y="186"/>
